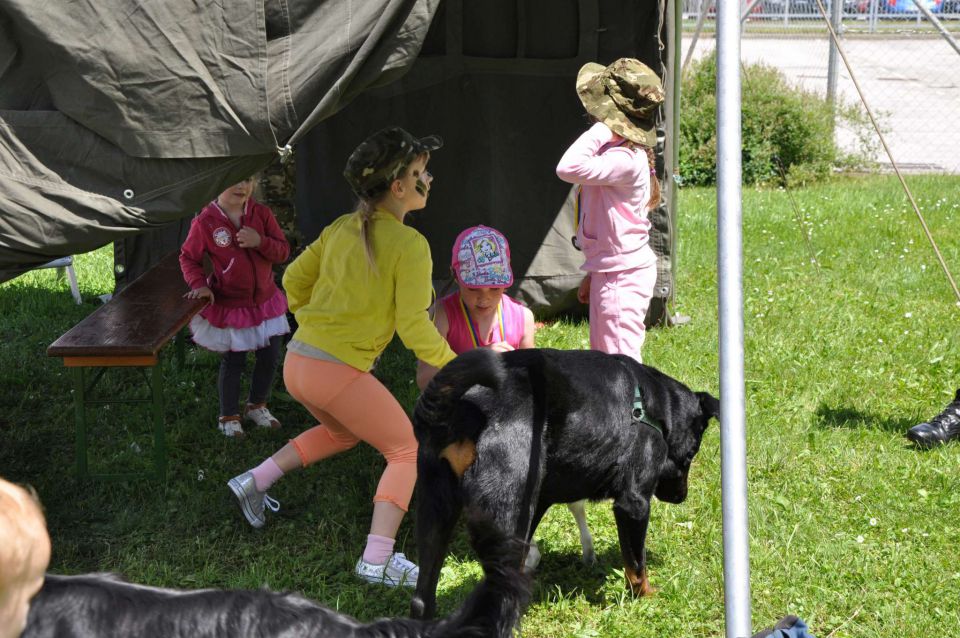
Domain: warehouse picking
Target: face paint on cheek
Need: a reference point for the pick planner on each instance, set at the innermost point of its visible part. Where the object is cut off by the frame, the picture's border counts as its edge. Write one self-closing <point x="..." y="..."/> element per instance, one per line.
<point x="421" y="188"/>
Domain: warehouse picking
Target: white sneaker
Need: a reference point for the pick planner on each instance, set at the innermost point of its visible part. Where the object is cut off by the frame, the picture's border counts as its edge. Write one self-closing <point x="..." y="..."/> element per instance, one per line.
<point x="396" y="571"/>
<point x="261" y="416"/>
<point x="230" y="426"/>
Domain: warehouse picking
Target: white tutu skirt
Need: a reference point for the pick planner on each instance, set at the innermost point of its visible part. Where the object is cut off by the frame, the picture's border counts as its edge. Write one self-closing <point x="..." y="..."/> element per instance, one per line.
<point x="237" y="339"/>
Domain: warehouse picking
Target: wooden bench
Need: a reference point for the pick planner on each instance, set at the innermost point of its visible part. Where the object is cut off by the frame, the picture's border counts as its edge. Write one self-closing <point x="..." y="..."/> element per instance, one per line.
<point x="129" y="330"/>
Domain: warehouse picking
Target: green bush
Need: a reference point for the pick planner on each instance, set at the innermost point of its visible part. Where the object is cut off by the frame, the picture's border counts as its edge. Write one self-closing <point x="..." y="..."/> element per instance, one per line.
<point x="787" y="132"/>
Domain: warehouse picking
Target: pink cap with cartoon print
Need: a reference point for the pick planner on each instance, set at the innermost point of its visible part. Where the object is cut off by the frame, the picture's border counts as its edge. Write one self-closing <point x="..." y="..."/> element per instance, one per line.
<point x="481" y="258"/>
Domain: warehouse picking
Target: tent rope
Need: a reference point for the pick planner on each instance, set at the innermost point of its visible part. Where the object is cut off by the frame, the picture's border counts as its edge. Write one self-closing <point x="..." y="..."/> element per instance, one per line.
<point x="797" y="215"/>
<point x="883" y="142"/>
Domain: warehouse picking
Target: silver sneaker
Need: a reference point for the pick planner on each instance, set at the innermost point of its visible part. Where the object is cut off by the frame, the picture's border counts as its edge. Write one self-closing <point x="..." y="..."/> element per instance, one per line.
<point x="252" y="502"/>
<point x="396" y="571"/>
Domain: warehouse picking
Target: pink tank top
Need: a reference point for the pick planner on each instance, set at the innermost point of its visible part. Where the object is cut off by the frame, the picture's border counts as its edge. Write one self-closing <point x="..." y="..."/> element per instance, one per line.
<point x="459" y="334"/>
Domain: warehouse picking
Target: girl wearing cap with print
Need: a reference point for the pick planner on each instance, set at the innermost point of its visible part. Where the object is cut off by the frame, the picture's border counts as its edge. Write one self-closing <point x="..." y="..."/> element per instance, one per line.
<point x="612" y="164"/>
<point x="479" y="315"/>
<point x="365" y="278"/>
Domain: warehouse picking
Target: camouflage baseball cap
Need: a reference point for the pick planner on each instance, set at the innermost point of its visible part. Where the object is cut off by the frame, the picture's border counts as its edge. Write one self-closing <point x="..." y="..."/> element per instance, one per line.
<point x="381" y="157"/>
<point x="625" y="96"/>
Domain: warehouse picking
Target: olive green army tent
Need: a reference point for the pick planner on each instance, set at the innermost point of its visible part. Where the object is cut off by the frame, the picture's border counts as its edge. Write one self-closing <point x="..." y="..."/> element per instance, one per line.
<point x="121" y="117"/>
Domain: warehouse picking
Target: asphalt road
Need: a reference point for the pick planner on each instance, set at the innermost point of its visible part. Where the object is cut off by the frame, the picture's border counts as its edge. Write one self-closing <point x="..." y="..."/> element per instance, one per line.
<point x="911" y="85"/>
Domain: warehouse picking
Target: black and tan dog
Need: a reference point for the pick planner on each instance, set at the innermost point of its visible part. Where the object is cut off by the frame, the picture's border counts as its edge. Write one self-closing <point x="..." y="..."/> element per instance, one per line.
<point x="511" y="434"/>
<point x="101" y="605"/>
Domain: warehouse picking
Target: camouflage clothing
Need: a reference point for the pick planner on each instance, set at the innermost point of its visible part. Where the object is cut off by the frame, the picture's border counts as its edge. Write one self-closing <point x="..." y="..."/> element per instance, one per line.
<point x="381" y="157"/>
<point x="625" y="96"/>
<point x="277" y="188"/>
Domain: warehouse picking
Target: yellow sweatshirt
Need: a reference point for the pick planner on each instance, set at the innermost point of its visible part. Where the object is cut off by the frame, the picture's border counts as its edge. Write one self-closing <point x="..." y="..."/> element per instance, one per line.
<point x="350" y="309"/>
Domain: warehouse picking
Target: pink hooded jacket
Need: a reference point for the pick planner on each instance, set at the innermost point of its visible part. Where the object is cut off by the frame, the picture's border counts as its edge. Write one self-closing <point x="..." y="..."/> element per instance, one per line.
<point x="615" y="187"/>
<point x="241" y="277"/>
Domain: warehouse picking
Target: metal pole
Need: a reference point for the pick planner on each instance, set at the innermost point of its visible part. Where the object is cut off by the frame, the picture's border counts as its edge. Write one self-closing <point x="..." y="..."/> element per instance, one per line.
<point x="676" y="71"/>
<point x="671" y="168"/>
<point x="733" y="456"/>
<point x="750" y="7"/>
<point x="836" y="18"/>
<point x="701" y="16"/>
<point x="939" y="26"/>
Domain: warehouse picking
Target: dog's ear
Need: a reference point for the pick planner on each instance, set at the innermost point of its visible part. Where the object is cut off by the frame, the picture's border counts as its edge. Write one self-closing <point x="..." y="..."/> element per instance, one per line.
<point x="709" y="405"/>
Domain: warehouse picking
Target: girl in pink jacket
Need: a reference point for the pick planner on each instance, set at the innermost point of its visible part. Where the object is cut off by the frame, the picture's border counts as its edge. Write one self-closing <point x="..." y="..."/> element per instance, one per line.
<point x="612" y="166"/>
<point x="241" y="240"/>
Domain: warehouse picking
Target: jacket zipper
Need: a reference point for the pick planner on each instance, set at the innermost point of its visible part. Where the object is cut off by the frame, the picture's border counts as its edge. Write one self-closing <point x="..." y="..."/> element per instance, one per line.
<point x="253" y="265"/>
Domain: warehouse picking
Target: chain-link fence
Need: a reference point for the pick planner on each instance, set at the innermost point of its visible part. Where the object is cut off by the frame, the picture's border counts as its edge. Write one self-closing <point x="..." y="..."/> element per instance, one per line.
<point x="905" y="58"/>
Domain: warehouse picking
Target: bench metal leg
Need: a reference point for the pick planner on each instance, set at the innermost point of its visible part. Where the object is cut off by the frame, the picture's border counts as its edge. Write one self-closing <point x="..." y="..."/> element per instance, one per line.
<point x="80" y="409"/>
<point x="159" y="438"/>
<point x="180" y="349"/>
<point x="84" y="396"/>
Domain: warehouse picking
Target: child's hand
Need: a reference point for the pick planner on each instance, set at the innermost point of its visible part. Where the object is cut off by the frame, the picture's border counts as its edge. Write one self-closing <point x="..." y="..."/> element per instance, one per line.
<point x="499" y="346"/>
<point x="583" y="293"/>
<point x="200" y="293"/>
<point x="248" y="238"/>
<point x="605" y="133"/>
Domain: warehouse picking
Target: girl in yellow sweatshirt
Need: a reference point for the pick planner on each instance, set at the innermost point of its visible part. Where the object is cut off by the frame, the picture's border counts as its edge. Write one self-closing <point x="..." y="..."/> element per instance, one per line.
<point x="365" y="278"/>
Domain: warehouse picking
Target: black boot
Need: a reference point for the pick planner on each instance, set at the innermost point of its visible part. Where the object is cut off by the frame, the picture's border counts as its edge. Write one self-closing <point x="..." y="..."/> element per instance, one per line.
<point x="940" y="429"/>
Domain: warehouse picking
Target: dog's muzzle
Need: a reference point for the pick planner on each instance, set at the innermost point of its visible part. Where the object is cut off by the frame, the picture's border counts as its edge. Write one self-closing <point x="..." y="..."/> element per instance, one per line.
<point x="672" y="490"/>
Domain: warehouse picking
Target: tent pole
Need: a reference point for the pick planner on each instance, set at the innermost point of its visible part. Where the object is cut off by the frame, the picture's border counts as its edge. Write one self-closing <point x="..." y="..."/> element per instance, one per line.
<point x="671" y="169"/>
<point x="733" y="457"/>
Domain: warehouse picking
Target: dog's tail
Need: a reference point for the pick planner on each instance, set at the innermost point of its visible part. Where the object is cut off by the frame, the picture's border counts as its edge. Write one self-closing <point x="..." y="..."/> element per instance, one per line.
<point x="493" y="609"/>
<point x="474" y="367"/>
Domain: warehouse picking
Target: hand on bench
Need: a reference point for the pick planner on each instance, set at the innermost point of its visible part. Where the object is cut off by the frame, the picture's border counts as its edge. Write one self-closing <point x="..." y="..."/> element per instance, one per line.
<point x="200" y="293"/>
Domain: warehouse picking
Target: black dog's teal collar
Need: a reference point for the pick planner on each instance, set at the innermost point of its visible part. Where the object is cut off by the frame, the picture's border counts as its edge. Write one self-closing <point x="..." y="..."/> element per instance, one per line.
<point x="640" y="414"/>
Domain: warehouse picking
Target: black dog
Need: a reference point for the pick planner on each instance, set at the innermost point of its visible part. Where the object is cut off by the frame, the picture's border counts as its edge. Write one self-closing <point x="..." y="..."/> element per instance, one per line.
<point x="509" y="435"/>
<point x="97" y="605"/>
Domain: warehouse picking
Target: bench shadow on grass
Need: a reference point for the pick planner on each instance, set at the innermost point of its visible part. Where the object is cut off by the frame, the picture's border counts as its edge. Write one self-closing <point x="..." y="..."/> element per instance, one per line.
<point x="840" y="417"/>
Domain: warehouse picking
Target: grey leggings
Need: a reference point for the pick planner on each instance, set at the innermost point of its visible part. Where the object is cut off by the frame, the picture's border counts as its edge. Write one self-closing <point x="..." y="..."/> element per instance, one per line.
<point x="233" y="365"/>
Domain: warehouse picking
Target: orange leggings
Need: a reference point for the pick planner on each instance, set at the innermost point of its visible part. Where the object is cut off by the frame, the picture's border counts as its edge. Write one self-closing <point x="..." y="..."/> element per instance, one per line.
<point x="352" y="406"/>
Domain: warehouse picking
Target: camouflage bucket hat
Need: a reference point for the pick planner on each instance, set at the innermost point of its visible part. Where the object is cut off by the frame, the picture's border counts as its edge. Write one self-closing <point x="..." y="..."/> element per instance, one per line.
<point x="625" y="96"/>
<point x="380" y="158"/>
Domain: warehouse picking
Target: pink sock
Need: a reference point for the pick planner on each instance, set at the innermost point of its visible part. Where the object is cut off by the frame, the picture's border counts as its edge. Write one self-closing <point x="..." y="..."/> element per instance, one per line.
<point x="378" y="549"/>
<point x="266" y="474"/>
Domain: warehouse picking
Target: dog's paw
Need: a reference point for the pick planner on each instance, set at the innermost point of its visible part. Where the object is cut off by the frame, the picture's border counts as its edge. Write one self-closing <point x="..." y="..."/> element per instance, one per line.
<point x="646" y="589"/>
<point x="638" y="583"/>
<point x="532" y="559"/>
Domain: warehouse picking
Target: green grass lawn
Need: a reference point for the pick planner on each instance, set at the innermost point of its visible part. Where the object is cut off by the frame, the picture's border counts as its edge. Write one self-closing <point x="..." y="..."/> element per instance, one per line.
<point x="850" y="528"/>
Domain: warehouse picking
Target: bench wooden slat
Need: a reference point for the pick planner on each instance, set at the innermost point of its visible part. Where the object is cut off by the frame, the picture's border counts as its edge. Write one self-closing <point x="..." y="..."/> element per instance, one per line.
<point x="137" y="322"/>
<point x="141" y="361"/>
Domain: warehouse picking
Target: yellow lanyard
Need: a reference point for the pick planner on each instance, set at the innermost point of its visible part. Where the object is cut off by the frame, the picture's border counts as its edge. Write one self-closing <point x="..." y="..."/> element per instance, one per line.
<point x="474" y="335"/>
<point x="576" y="209"/>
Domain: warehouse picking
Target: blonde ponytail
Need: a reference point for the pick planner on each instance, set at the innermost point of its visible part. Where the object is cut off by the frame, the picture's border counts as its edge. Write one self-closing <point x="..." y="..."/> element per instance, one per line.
<point x="365" y="211"/>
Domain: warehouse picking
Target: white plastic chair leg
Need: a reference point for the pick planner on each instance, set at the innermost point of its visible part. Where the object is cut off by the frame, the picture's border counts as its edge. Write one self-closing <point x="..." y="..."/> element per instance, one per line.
<point x="74" y="288"/>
